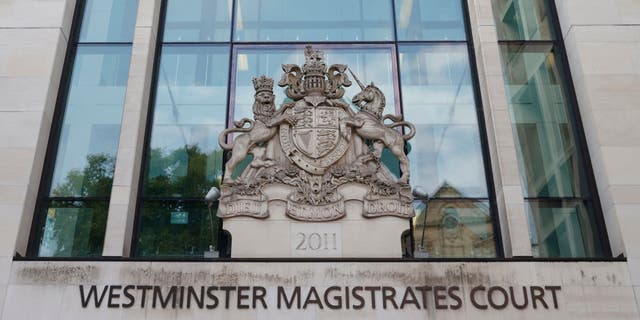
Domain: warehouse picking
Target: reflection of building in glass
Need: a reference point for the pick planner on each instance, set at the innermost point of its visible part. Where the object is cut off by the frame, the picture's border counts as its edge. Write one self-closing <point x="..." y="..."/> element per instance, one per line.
<point x="452" y="228"/>
<point x="557" y="182"/>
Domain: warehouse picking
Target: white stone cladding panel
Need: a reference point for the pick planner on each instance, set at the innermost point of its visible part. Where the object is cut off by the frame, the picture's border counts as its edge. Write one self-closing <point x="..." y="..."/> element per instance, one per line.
<point x="501" y="142"/>
<point x="606" y="71"/>
<point x="603" y="48"/>
<point x="33" y="41"/>
<point x="30" y="14"/>
<point x="122" y="206"/>
<point x="597" y="13"/>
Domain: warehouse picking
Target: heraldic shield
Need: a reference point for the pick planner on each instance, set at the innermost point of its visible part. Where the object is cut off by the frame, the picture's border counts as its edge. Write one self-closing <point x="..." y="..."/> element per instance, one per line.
<point x="315" y="152"/>
<point x="314" y="141"/>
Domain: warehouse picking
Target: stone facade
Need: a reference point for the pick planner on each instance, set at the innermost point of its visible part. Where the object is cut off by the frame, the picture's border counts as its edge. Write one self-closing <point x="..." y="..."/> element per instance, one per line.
<point x="603" y="47"/>
<point x="587" y="290"/>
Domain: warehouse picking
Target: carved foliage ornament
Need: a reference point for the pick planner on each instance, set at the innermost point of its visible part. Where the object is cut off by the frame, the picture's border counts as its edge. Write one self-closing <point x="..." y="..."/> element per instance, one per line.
<point x="315" y="156"/>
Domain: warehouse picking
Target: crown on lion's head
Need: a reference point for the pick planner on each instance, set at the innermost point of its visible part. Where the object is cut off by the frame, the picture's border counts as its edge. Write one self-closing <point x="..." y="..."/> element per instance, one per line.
<point x="263" y="83"/>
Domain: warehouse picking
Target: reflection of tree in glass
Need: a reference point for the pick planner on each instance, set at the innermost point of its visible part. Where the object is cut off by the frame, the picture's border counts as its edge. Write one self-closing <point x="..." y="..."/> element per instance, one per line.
<point x="159" y="237"/>
<point x="76" y="228"/>
<point x="181" y="175"/>
<point x="94" y="180"/>
<point x="184" y="172"/>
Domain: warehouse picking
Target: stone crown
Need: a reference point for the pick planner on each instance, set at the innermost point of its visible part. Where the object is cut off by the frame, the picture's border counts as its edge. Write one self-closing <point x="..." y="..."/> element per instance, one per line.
<point x="263" y="83"/>
<point x="314" y="64"/>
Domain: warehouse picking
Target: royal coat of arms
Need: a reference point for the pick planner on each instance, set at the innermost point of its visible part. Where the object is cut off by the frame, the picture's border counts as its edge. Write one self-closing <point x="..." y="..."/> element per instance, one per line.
<point x="315" y="153"/>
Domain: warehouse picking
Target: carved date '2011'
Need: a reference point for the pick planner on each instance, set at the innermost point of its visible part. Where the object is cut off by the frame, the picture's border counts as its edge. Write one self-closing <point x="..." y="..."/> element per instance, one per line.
<point x="317" y="241"/>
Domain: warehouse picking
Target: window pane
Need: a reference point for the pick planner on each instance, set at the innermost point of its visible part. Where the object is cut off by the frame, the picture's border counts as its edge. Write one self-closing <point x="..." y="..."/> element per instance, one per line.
<point x="176" y="229"/>
<point x="563" y="229"/>
<point x="452" y="229"/>
<point x="185" y="159"/>
<point x="91" y="126"/>
<point x="108" y="21"/>
<point x="197" y="21"/>
<point x="523" y="19"/>
<point x="368" y="63"/>
<point x="429" y="20"/>
<point x="438" y="97"/>
<point x="548" y="149"/>
<point x="73" y="228"/>
<point x="329" y="20"/>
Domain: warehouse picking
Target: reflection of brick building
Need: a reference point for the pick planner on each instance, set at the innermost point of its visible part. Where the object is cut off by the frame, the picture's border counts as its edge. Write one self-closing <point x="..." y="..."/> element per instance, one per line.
<point x="454" y="228"/>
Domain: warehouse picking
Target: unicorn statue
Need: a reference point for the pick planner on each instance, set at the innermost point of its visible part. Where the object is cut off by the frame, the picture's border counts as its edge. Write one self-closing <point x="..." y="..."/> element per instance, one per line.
<point x="369" y="123"/>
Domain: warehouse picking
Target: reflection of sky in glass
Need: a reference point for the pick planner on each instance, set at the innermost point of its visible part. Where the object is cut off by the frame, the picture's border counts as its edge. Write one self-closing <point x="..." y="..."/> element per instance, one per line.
<point x="108" y="21"/>
<point x="370" y="64"/>
<point x="191" y="97"/>
<point x="429" y="20"/>
<point x="295" y="20"/>
<point x="93" y="112"/>
<point x="197" y="20"/>
<point x="438" y="98"/>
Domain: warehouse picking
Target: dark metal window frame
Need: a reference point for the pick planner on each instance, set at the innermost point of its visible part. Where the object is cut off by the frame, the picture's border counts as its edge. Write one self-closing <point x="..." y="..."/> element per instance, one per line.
<point x="558" y="47"/>
<point x="65" y="83"/>
<point x="46" y="178"/>
<point x="159" y="45"/>
<point x="58" y="115"/>
<point x="392" y="45"/>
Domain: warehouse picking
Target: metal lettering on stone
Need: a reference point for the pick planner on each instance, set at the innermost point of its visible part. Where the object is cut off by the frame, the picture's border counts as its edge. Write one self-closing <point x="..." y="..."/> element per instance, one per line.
<point x="315" y="154"/>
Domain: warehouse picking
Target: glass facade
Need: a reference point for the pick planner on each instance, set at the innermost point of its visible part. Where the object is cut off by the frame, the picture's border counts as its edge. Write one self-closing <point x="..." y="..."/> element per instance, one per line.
<point x="428" y="62"/>
<point x="461" y="228"/>
<point x="197" y="21"/>
<point x="557" y="184"/>
<point x="524" y="20"/>
<point x="446" y="153"/>
<point x="108" y="21"/>
<point x="422" y="20"/>
<point x="183" y="158"/>
<point x="70" y="220"/>
<point x="543" y="123"/>
<point x="91" y="127"/>
<point x="416" y="51"/>
<point x="563" y="228"/>
<point x="438" y="97"/>
<point x="375" y="62"/>
<point x="294" y="20"/>
<point x="176" y="229"/>
<point x="73" y="228"/>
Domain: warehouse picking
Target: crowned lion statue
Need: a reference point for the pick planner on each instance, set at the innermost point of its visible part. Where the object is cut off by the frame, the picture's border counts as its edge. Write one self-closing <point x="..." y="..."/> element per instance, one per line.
<point x="256" y="135"/>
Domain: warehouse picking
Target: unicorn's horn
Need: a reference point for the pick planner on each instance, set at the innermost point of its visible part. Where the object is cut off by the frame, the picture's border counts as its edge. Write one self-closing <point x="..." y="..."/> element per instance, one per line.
<point x="362" y="86"/>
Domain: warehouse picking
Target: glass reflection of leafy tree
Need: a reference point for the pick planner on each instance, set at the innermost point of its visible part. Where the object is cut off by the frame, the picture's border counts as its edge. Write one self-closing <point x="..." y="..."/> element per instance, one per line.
<point x="94" y="180"/>
<point x="185" y="172"/>
<point x="85" y="224"/>
<point x="161" y="238"/>
<point x="88" y="223"/>
<point x="182" y="175"/>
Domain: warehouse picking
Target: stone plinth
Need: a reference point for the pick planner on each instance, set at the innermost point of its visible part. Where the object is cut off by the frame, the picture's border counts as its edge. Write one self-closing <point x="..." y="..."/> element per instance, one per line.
<point x="280" y="236"/>
<point x="285" y="238"/>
